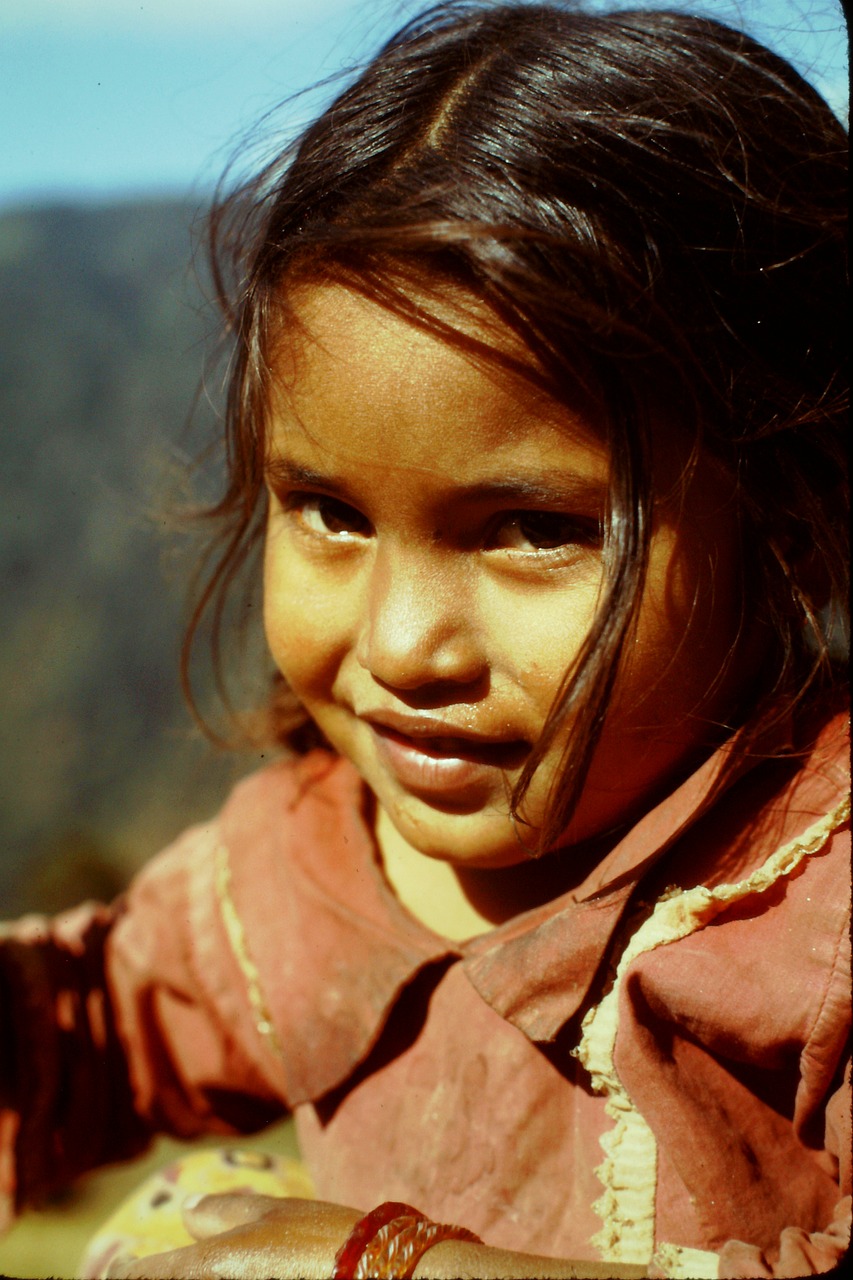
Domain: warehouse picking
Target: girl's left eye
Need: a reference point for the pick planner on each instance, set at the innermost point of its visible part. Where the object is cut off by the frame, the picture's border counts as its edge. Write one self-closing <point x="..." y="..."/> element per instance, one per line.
<point x="531" y="531"/>
<point x="328" y="517"/>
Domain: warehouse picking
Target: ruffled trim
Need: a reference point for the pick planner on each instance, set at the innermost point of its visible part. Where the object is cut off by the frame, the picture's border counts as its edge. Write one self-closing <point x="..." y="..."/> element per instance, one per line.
<point x="238" y="942"/>
<point x="677" y="1262"/>
<point x="629" y="1171"/>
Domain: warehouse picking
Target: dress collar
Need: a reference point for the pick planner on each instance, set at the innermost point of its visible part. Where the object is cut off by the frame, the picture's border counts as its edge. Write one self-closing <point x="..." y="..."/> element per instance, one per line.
<point x="335" y="950"/>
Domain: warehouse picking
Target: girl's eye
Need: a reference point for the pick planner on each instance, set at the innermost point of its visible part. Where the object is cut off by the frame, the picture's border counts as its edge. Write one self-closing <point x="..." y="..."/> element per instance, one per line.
<point x="533" y="531"/>
<point x="328" y="517"/>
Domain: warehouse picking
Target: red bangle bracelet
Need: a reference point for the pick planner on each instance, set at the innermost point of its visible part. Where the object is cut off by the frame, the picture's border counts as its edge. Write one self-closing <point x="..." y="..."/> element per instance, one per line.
<point x="389" y="1242"/>
<point x="347" y="1257"/>
<point x="396" y="1250"/>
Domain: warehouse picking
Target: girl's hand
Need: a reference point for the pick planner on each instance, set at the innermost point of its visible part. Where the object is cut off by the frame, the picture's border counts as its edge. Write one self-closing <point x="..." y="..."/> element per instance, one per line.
<point x="250" y="1237"/>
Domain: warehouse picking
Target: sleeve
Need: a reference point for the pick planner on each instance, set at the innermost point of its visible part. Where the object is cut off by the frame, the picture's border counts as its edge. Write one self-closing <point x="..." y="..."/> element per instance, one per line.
<point x="65" y="1097"/>
<point x="110" y="1030"/>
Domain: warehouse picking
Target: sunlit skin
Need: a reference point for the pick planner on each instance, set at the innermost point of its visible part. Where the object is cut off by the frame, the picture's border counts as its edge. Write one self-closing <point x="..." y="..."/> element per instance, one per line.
<point x="433" y="564"/>
<point x="244" y="1236"/>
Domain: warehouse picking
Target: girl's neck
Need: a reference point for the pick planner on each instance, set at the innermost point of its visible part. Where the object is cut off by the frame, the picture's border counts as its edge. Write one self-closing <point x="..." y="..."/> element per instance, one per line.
<point x="464" y="902"/>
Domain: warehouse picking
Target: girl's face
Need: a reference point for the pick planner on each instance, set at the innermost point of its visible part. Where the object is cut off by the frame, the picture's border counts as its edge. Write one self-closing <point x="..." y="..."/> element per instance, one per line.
<point x="433" y="564"/>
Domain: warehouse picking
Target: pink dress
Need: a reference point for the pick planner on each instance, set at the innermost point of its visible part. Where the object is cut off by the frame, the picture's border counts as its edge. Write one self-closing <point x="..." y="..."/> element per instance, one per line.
<point x="648" y="1069"/>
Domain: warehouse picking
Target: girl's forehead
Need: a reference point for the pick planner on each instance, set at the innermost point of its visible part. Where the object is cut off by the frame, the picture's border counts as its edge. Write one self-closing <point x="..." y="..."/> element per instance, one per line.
<point x="336" y="343"/>
<point x="343" y="317"/>
<point x="355" y="374"/>
<point x="354" y="378"/>
<point x="358" y="386"/>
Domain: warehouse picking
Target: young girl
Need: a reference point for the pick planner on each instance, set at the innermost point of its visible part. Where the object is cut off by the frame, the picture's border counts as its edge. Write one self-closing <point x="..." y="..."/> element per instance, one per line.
<point x="536" y="407"/>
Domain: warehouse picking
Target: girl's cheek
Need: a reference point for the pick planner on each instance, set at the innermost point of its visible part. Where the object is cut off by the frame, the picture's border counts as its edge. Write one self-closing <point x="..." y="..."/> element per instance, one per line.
<point x="283" y="618"/>
<point x="305" y="620"/>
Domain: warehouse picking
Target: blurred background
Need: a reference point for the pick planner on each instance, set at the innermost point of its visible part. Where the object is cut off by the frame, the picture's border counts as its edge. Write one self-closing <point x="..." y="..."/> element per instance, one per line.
<point x="118" y="117"/>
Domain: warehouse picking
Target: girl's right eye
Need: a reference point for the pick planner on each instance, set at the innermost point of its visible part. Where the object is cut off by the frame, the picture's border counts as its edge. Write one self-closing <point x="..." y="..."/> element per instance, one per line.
<point x="327" y="517"/>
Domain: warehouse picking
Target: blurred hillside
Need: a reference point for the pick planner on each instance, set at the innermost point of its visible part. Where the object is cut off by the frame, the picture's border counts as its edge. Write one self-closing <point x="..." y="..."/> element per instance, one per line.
<point x="102" y="337"/>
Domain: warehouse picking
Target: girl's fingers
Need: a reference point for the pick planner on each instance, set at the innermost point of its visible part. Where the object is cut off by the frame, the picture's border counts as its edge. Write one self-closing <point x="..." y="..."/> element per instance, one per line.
<point x="243" y="1236"/>
<point x="225" y="1258"/>
<point x="210" y="1215"/>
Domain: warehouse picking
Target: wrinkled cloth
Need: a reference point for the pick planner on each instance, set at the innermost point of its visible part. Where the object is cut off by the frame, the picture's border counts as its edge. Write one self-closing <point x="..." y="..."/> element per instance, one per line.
<point x="648" y="1067"/>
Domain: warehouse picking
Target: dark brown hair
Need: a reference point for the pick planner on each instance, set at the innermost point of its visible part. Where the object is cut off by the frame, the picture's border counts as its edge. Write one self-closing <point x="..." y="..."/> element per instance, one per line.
<point x="655" y="205"/>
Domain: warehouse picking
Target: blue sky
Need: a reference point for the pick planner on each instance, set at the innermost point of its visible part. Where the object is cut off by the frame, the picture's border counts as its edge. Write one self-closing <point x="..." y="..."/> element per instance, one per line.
<point x="106" y="98"/>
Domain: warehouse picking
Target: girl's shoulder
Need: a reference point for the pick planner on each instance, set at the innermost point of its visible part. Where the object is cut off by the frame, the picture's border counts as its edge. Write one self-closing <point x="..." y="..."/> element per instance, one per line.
<point x="295" y="801"/>
<point x="296" y="782"/>
<point x="828" y="738"/>
<point x="820" y="756"/>
<point x="291" y="806"/>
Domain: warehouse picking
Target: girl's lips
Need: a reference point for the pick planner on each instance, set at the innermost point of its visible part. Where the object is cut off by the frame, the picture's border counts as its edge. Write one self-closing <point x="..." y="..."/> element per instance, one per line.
<point x="442" y="764"/>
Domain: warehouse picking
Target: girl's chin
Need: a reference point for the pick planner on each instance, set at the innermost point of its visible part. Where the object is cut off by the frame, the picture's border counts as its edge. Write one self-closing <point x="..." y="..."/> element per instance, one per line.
<point x="482" y="840"/>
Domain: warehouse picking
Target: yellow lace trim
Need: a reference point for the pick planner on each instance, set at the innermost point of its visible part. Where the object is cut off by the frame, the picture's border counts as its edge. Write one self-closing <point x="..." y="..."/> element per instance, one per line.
<point x="629" y="1171"/>
<point x="240" y="949"/>
<point x="677" y="1262"/>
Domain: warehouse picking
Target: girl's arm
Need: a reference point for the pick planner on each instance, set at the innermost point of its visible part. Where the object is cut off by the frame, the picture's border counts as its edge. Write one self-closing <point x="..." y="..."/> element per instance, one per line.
<point x="248" y="1237"/>
<point x="251" y="1237"/>
<point x="107" y="1035"/>
<point x="65" y="1096"/>
<point x="480" y="1262"/>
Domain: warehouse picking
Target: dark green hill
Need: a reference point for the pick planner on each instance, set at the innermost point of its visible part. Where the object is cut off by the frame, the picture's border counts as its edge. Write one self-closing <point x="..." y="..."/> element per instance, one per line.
<point x="102" y="337"/>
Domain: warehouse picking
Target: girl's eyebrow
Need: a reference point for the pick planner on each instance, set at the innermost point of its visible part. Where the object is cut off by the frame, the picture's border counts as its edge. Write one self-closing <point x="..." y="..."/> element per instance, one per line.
<point x="281" y="471"/>
<point x="561" y="488"/>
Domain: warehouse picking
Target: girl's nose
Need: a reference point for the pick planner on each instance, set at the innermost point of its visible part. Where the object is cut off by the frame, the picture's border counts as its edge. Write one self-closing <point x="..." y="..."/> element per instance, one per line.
<point x="419" y="627"/>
